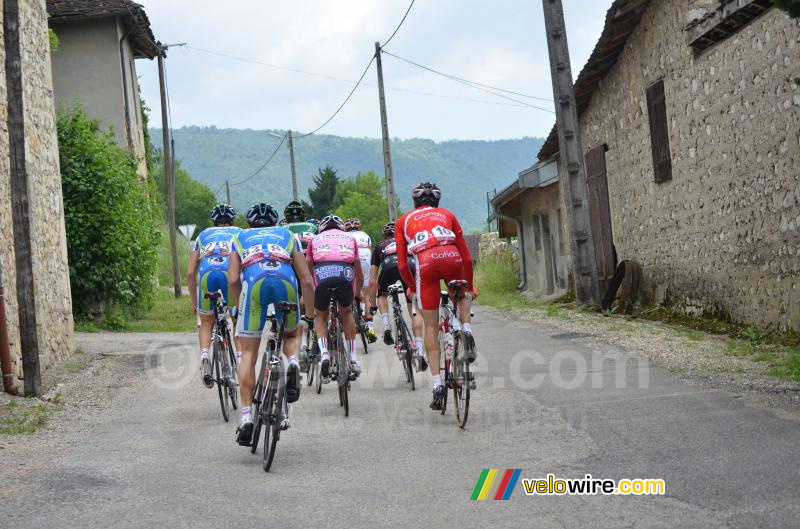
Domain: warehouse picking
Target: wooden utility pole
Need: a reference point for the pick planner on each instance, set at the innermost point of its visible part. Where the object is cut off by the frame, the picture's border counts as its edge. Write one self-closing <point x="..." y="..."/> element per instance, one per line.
<point x="20" y="200"/>
<point x="228" y="192"/>
<point x="572" y="168"/>
<point x="294" y="172"/>
<point x="169" y="173"/>
<point x="387" y="153"/>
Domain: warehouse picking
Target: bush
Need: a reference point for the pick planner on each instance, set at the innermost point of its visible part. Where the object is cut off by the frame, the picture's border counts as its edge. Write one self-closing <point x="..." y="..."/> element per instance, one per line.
<point x="111" y="231"/>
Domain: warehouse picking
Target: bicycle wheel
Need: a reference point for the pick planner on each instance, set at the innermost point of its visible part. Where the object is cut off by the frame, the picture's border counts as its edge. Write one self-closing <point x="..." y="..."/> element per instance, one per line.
<point x="234" y="378"/>
<point x="219" y="378"/>
<point x="409" y="356"/>
<point x="343" y="379"/>
<point x="258" y="400"/>
<point x="361" y="325"/>
<point x="459" y="368"/>
<point x="273" y="411"/>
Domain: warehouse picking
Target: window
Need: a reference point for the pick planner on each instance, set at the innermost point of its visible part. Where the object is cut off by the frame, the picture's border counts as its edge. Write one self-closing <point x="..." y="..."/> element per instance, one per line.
<point x="537" y="234"/>
<point x="659" y="132"/>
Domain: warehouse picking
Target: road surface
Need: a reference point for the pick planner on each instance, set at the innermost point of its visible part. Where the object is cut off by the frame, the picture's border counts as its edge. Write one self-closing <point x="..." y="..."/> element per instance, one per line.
<point x="548" y="403"/>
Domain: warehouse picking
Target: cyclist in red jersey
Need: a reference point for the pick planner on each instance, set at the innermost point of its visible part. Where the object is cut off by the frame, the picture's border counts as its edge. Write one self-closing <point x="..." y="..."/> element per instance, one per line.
<point x="433" y="236"/>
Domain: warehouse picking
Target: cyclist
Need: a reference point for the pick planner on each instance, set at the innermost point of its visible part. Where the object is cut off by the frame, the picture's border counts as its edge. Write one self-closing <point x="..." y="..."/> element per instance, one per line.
<point x="208" y="272"/>
<point x="295" y="216"/>
<point x="353" y="227"/>
<point x="385" y="273"/>
<point x="433" y="236"/>
<point x="265" y="269"/>
<point x="334" y="263"/>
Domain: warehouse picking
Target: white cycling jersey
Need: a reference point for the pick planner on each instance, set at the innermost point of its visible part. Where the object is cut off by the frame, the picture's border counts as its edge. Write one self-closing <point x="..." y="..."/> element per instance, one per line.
<point x="364" y="242"/>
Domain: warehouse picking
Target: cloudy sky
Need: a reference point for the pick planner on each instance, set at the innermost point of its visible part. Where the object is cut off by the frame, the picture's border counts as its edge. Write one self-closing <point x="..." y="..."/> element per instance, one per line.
<point x="300" y="59"/>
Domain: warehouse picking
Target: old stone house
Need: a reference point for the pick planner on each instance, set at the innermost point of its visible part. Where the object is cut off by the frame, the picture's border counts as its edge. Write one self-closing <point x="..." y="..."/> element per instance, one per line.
<point x="691" y="129"/>
<point x="95" y="64"/>
<point x="33" y="261"/>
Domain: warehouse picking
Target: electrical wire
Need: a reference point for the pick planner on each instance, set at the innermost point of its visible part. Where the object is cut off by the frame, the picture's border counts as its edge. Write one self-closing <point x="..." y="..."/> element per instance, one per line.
<point x="398" y="25"/>
<point x="271" y="156"/>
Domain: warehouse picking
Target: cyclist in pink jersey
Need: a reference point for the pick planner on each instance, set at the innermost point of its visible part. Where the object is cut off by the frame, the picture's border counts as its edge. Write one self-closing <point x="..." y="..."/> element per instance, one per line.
<point x="332" y="257"/>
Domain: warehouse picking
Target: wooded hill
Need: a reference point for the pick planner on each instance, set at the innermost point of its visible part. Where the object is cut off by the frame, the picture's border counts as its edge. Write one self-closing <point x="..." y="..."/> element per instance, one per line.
<point x="465" y="170"/>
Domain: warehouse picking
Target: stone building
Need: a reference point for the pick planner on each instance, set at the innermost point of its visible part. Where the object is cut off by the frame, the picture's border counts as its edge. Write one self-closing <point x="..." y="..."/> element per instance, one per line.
<point x="29" y="168"/>
<point x="691" y="128"/>
<point x="95" y="65"/>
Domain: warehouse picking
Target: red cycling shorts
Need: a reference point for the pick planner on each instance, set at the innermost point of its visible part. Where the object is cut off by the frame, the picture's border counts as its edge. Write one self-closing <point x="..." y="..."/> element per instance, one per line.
<point x="440" y="263"/>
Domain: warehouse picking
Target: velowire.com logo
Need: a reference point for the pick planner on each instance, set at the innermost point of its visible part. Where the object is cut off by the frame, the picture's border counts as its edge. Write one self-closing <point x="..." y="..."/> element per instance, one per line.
<point x="496" y="484"/>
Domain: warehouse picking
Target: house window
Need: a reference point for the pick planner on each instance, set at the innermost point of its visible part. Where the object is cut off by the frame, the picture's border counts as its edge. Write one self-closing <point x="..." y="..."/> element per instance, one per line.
<point x="659" y="132"/>
<point x="537" y="233"/>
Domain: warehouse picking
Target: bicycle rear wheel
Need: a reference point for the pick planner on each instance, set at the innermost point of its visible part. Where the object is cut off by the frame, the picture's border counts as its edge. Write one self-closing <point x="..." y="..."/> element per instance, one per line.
<point x="219" y="378"/>
<point x="361" y="325"/>
<point x="273" y="411"/>
<point x="343" y="378"/>
<point x="408" y="360"/>
<point x="258" y="401"/>
<point x="234" y="378"/>
<point x="459" y="368"/>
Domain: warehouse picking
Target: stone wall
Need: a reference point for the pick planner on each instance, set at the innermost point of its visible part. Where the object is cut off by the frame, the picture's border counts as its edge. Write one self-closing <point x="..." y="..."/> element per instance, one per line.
<point x="50" y="269"/>
<point x="724" y="233"/>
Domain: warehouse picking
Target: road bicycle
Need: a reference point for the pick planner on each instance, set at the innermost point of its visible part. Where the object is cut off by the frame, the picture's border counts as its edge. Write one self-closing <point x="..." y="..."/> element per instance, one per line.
<point x="361" y="324"/>
<point x="311" y="355"/>
<point x="270" y="406"/>
<point x="223" y="357"/>
<point x="340" y="369"/>
<point x="453" y="358"/>
<point x="403" y="346"/>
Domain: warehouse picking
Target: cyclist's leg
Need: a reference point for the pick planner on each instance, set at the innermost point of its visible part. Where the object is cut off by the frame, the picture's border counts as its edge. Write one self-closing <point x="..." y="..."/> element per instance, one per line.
<point x="209" y="282"/>
<point x="346" y="292"/>
<point x="250" y="325"/>
<point x="385" y="279"/>
<point x="283" y="288"/>
<point x="321" y="308"/>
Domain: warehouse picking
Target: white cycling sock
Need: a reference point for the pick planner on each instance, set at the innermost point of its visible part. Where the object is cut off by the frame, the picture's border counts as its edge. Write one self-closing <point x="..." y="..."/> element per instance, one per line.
<point x="303" y="338"/>
<point x="437" y="381"/>
<point x="245" y="413"/>
<point x="385" y="319"/>
<point x="420" y="346"/>
<point x="467" y="327"/>
<point x="370" y="324"/>
<point x="203" y="353"/>
<point x="323" y="345"/>
<point x="352" y="346"/>
<point x="294" y="361"/>
<point x="238" y="357"/>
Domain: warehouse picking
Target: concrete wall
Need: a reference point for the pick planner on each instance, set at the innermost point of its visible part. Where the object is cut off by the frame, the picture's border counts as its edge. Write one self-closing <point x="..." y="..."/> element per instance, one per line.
<point x="544" y="201"/>
<point x="87" y="69"/>
<point x="724" y="233"/>
<point x="50" y="270"/>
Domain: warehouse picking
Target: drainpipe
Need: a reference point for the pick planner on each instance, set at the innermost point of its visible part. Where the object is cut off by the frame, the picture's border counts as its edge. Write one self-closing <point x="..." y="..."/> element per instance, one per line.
<point x="127" y="34"/>
<point x="523" y="272"/>
<point x="5" y="350"/>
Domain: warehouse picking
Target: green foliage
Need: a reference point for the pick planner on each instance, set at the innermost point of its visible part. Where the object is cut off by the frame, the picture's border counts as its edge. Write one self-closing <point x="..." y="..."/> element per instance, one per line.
<point x="363" y="196"/>
<point x="148" y="145"/>
<point x="496" y="278"/>
<point x="51" y="35"/>
<point x="111" y="236"/>
<point x="465" y="170"/>
<point x="323" y="192"/>
<point x="790" y="6"/>
<point x="165" y="258"/>
<point x="193" y="199"/>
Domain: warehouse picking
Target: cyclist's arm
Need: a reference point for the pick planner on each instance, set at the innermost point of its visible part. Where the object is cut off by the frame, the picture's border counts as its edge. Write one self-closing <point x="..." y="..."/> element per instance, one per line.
<point x="191" y="277"/>
<point x="463" y="249"/>
<point x="234" y="279"/>
<point x="373" y="286"/>
<point x="301" y="268"/>
<point x="402" y="252"/>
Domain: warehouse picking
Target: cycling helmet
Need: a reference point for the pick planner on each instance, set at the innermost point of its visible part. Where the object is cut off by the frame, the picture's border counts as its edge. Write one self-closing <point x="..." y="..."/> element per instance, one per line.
<point x="353" y="224"/>
<point x="427" y="194"/>
<point x="388" y="230"/>
<point x="222" y="214"/>
<point x="262" y="216"/>
<point x="294" y="212"/>
<point x="315" y="222"/>
<point x="331" y="222"/>
<point x="282" y="222"/>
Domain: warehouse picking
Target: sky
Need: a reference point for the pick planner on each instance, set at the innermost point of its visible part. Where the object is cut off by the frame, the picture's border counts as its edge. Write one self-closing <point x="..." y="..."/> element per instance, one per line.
<point x="499" y="43"/>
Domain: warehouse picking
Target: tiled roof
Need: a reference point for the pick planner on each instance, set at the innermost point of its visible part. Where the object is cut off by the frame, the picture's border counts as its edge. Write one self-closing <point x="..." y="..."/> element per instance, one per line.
<point x="133" y="15"/>
<point x="621" y="20"/>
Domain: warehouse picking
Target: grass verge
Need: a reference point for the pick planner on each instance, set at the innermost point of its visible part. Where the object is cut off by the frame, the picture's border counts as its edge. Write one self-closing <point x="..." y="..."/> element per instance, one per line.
<point x="16" y="420"/>
<point x="167" y="314"/>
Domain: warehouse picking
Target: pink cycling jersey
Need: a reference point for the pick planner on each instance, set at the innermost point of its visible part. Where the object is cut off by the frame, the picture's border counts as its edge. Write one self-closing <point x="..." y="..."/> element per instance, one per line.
<point x="332" y="246"/>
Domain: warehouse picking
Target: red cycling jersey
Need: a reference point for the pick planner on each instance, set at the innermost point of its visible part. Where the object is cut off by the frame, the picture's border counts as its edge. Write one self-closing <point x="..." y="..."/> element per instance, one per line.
<point x="434" y="237"/>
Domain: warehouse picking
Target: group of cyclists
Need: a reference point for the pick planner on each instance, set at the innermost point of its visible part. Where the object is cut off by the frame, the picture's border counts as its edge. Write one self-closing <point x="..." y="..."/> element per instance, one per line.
<point x="301" y="261"/>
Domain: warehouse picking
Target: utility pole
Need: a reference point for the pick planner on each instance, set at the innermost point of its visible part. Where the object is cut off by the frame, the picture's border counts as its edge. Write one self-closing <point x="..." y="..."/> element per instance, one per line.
<point x="169" y="172"/>
<point x="294" y="172"/>
<point x="387" y="153"/>
<point x="572" y="167"/>
<point x="228" y="192"/>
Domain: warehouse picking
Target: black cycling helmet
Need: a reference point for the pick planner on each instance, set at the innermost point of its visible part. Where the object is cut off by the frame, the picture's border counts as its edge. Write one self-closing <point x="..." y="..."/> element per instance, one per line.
<point x="294" y="212"/>
<point x="262" y="216"/>
<point x="331" y="222"/>
<point x="222" y="214"/>
<point x="388" y="230"/>
<point x="353" y="224"/>
<point x="427" y="194"/>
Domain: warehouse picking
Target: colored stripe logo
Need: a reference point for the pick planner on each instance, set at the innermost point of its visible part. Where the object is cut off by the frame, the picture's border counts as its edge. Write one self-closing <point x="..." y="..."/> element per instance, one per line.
<point x="496" y="484"/>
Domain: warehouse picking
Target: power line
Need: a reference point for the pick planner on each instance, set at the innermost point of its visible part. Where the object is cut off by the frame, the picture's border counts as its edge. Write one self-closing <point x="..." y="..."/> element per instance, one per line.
<point x="271" y="156"/>
<point x="387" y="41"/>
<point x="478" y="86"/>
<point x="350" y="81"/>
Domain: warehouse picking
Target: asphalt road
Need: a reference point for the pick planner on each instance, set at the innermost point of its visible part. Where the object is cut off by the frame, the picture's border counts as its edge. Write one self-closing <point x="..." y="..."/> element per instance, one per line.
<point x="547" y="403"/>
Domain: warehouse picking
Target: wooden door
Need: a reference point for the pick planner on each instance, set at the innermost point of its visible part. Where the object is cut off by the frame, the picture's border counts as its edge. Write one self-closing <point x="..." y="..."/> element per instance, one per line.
<point x="600" y="214"/>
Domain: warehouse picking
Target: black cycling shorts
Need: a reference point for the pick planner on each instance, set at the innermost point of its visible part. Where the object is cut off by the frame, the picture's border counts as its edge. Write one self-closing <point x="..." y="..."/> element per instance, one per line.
<point x="333" y="275"/>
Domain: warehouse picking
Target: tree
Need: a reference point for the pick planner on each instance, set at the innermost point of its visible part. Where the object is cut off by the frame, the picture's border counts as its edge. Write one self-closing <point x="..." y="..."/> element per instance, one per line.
<point x="790" y="6"/>
<point x="193" y="199"/>
<point x="362" y="196"/>
<point x="324" y="190"/>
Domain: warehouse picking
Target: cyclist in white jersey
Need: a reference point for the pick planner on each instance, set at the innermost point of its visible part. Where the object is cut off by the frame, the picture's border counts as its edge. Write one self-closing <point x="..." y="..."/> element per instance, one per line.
<point x="364" y="241"/>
